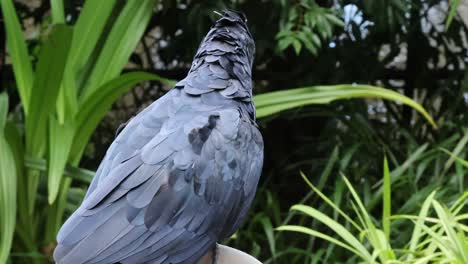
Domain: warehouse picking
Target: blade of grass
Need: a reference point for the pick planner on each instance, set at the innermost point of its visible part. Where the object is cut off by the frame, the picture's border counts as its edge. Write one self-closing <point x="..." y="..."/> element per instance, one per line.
<point x="328" y="168"/>
<point x="387" y="200"/>
<point x="121" y="42"/>
<point x="50" y="68"/>
<point x="18" y="52"/>
<point x="55" y="213"/>
<point x="459" y="203"/>
<point x="448" y="223"/>
<point x="308" y="231"/>
<point x="52" y="59"/>
<point x="60" y="141"/>
<point x="274" y="102"/>
<point x="397" y="173"/>
<point x="453" y="10"/>
<point x="268" y="229"/>
<point x="437" y="239"/>
<point x="339" y="229"/>
<point x="461" y="161"/>
<point x="378" y="241"/>
<point x="456" y="151"/>
<point x="329" y="202"/>
<point x="58" y="11"/>
<point x="88" y="29"/>
<point x="417" y="231"/>
<point x="8" y="175"/>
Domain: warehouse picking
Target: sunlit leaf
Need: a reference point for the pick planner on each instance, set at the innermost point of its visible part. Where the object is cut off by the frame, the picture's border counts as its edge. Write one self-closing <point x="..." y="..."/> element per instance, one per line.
<point x="18" y="51"/>
<point x="51" y="64"/>
<point x="274" y="102"/>
<point x="452" y="12"/>
<point x="8" y="175"/>
<point x="387" y="200"/>
<point x="60" y="141"/>
<point x="121" y="42"/>
<point x="58" y="12"/>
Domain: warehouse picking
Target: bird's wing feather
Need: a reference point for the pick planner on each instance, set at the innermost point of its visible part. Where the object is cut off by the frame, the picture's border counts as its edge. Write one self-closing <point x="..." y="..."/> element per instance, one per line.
<point x="179" y="176"/>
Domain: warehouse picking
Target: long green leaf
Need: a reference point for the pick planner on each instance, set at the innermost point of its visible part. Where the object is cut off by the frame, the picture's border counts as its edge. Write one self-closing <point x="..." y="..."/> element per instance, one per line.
<point x="50" y="68"/>
<point x="448" y="223"/>
<point x="60" y="141"/>
<point x="87" y="31"/>
<point x="58" y="11"/>
<point x="416" y="236"/>
<point x="94" y="108"/>
<point x="274" y="102"/>
<point x="397" y="173"/>
<point x="3" y="111"/>
<point x="461" y="145"/>
<point x="323" y="236"/>
<point x="55" y="212"/>
<point x="8" y="175"/>
<point x="332" y="204"/>
<point x="387" y="201"/>
<point x="453" y="10"/>
<point x="18" y="52"/>
<point x="376" y="237"/>
<point x="123" y="38"/>
<point x="337" y="228"/>
<point x="453" y="156"/>
<point x="24" y="227"/>
<point x="268" y="229"/>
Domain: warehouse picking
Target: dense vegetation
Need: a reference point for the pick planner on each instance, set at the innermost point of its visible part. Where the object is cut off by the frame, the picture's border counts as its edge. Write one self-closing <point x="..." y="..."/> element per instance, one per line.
<point x="378" y="180"/>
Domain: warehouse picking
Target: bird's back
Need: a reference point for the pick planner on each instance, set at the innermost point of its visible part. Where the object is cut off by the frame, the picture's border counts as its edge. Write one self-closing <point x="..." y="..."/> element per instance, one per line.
<point x="179" y="177"/>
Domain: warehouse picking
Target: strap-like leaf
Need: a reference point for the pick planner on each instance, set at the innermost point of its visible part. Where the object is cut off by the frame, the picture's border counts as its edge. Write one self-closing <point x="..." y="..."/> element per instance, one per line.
<point x="3" y="111"/>
<point x="60" y="141"/>
<point x="274" y="102"/>
<point x="18" y="52"/>
<point x="8" y="177"/>
<point x="453" y="11"/>
<point x="52" y="59"/>
<point x="86" y="33"/>
<point x="58" y="11"/>
<point x="50" y="67"/>
<point x="121" y="42"/>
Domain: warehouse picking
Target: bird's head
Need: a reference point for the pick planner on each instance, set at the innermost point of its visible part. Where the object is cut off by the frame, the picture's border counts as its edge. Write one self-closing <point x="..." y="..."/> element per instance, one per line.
<point x="231" y="30"/>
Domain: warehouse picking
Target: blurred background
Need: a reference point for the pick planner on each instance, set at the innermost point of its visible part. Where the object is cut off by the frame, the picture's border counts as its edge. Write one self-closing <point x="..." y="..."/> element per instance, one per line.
<point x="417" y="48"/>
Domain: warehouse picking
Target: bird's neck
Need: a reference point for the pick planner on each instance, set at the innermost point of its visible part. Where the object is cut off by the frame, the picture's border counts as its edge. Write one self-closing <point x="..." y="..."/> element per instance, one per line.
<point x="217" y="67"/>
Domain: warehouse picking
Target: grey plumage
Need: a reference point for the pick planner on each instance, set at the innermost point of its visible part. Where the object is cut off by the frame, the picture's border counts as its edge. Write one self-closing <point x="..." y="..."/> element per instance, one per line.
<point x="180" y="175"/>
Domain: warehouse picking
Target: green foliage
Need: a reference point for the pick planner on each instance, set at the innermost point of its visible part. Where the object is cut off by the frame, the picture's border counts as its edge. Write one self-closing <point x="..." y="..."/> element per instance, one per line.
<point x="271" y="103"/>
<point x="76" y="80"/>
<point x="8" y="175"/>
<point x="18" y="52"/>
<point x="453" y="10"/>
<point x="433" y="239"/>
<point x="308" y="25"/>
<point x="384" y="43"/>
<point x="392" y="217"/>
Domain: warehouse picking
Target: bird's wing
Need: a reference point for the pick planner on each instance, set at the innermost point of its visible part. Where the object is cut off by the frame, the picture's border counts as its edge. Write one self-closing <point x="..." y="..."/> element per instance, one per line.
<point x="178" y="177"/>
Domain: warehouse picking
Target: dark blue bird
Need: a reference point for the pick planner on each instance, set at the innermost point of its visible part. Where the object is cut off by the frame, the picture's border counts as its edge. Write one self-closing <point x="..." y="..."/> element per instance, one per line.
<point x="182" y="174"/>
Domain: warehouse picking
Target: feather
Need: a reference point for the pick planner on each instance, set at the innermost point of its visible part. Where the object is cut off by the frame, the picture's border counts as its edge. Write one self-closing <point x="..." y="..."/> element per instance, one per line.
<point x="182" y="173"/>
